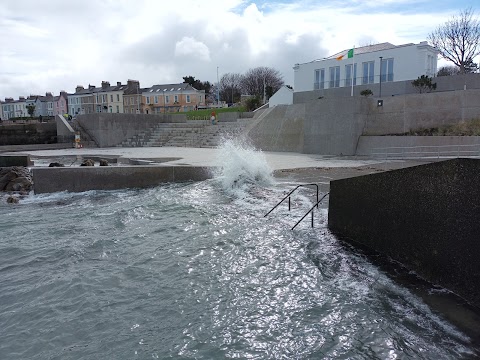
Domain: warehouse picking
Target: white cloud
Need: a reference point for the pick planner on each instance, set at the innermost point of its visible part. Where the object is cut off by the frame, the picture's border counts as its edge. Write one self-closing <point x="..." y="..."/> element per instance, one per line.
<point x="58" y="44"/>
<point x="192" y="48"/>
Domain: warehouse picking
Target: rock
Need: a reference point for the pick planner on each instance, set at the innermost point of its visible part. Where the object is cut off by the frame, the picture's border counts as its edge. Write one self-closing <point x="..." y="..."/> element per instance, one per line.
<point x="15" y="178"/>
<point x="88" y="162"/>
<point x="12" y="200"/>
<point x="56" y="164"/>
<point x="103" y="162"/>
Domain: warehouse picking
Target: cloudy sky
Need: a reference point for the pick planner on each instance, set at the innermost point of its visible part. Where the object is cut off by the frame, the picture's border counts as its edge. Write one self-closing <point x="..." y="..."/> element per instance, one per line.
<point x="54" y="45"/>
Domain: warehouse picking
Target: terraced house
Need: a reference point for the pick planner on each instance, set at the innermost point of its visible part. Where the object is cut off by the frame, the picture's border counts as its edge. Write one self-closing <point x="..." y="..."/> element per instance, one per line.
<point x="132" y="97"/>
<point x="171" y="98"/>
<point x="13" y="108"/>
<point x="110" y="98"/>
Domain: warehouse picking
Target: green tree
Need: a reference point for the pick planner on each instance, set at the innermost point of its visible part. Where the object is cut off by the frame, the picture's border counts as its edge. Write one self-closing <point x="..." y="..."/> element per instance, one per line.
<point x="197" y="84"/>
<point x="423" y="84"/>
<point x="31" y="109"/>
<point x="366" y="92"/>
<point x="253" y="103"/>
<point x="458" y="40"/>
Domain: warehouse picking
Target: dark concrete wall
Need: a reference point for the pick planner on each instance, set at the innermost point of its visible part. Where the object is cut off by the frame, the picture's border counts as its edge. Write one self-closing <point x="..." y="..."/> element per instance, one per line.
<point x="39" y="133"/>
<point x="78" y="179"/>
<point x="427" y="217"/>
<point x="15" y="160"/>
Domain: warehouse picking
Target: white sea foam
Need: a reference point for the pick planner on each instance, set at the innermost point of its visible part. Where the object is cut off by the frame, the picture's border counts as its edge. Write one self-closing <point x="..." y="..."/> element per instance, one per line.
<point x="241" y="166"/>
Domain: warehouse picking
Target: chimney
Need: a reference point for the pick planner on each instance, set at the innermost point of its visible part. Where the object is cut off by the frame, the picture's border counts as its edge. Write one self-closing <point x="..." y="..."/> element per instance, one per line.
<point x="79" y="88"/>
<point x="48" y="94"/>
<point x="21" y="98"/>
<point x="91" y="87"/>
<point x="119" y="83"/>
<point x="64" y="93"/>
<point x="8" y="99"/>
<point x="105" y="84"/>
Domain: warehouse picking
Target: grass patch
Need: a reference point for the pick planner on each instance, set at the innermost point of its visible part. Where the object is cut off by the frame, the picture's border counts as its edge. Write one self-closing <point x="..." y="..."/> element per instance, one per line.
<point x="464" y="128"/>
<point x="206" y="113"/>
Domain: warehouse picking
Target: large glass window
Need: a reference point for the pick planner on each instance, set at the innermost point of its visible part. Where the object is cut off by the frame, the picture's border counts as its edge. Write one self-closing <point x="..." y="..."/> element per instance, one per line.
<point x="348" y="74"/>
<point x="368" y="72"/>
<point x="319" y="79"/>
<point x="387" y="70"/>
<point x="334" y="76"/>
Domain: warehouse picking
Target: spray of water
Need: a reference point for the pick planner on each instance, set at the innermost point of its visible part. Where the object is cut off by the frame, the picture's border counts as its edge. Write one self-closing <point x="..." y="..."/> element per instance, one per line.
<point x="240" y="167"/>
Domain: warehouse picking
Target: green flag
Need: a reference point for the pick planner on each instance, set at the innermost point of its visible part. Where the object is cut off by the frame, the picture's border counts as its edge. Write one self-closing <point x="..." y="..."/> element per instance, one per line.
<point x="350" y="53"/>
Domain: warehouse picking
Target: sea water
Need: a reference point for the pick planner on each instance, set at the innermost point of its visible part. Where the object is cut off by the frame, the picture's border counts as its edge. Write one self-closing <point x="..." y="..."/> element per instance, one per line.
<point x="194" y="271"/>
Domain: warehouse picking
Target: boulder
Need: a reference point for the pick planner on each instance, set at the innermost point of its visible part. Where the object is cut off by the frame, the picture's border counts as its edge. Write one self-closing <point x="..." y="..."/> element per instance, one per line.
<point x="16" y="179"/>
<point x="56" y="164"/>
<point x="88" y="162"/>
<point x="103" y="162"/>
<point x="12" y="200"/>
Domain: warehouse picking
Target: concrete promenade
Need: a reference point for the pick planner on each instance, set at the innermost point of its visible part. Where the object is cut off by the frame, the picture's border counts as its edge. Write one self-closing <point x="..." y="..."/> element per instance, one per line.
<point x="205" y="157"/>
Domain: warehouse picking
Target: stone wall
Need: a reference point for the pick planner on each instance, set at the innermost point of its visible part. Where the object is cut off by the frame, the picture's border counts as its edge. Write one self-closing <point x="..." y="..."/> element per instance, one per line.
<point x="39" y="133"/>
<point x="426" y="217"/>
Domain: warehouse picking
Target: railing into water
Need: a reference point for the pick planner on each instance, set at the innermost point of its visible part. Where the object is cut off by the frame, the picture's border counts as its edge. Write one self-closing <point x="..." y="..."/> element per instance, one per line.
<point x="288" y="196"/>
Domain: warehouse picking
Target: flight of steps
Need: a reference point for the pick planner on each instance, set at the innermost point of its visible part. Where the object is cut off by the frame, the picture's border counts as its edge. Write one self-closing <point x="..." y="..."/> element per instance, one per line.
<point x="198" y="133"/>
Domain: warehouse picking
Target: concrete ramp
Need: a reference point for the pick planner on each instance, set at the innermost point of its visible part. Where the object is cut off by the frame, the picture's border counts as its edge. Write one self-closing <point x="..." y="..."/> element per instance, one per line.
<point x="279" y="129"/>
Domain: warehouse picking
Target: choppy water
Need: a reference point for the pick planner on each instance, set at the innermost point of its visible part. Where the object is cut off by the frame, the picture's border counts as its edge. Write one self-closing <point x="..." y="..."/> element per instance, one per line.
<point x="194" y="271"/>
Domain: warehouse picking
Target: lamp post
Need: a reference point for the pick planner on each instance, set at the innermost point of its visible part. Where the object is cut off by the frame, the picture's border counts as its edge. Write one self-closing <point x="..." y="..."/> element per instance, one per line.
<point x="218" y="90"/>
<point x="381" y="57"/>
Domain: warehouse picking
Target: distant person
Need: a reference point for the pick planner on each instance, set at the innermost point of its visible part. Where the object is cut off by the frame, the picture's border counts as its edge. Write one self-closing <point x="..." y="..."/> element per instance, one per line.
<point x="213" y="117"/>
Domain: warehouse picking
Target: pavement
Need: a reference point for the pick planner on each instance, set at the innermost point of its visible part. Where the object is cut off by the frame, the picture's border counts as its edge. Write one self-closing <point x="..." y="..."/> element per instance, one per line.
<point x="210" y="157"/>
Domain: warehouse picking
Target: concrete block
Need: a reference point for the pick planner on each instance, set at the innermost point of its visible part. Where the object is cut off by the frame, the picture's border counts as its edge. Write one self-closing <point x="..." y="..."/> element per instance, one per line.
<point x="426" y="217"/>
<point x="15" y="160"/>
<point x="79" y="179"/>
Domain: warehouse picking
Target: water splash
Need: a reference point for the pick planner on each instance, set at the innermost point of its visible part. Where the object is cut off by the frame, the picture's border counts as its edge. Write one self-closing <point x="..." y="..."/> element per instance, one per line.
<point x="241" y="166"/>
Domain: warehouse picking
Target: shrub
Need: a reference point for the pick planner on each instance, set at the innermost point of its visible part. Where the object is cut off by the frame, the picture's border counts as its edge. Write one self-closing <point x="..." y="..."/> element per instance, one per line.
<point x="366" y="92"/>
<point x="424" y="83"/>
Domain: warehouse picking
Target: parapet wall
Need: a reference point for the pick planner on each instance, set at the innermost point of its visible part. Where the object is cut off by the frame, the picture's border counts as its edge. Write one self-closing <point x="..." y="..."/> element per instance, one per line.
<point x="38" y="133"/>
<point x="426" y="217"/>
<point x="79" y="179"/>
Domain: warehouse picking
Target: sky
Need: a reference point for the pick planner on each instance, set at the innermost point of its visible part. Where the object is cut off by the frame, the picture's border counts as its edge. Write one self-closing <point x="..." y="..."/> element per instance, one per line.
<point x="54" y="45"/>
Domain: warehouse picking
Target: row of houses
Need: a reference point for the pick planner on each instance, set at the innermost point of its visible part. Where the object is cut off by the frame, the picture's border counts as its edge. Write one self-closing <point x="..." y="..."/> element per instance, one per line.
<point x="127" y="98"/>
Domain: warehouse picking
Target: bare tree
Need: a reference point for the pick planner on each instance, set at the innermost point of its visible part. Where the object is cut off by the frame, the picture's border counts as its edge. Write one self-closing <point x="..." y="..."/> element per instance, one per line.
<point x="458" y="39"/>
<point x="448" y="70"/>
<point x="262" y="81"/>
<point x="230" y="87"/>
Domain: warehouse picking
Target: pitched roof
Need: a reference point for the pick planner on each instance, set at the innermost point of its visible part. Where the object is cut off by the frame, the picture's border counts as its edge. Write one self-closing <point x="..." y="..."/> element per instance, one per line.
<point x="170" y="87"/>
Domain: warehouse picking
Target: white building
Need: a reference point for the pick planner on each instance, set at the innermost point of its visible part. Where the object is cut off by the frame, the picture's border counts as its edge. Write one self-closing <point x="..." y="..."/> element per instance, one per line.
<point x="284" y="96"/>
<point x="398" y="63"/>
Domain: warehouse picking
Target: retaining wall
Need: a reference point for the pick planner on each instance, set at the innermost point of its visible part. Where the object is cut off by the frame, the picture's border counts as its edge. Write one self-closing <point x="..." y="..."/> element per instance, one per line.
<point x="85" y="178"/>
<point x="427" y="217"/>
<point x="37" y="133"/>
<point x="109" y="130"/>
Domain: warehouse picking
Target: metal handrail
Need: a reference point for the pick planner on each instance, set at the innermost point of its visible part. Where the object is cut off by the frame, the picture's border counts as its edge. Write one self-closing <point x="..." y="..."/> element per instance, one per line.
<point x="310" y="211"/>
<point x="288" y="196"/>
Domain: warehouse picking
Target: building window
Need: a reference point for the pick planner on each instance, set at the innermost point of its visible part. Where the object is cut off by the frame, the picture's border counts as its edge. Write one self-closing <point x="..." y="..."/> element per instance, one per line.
<point x="200" y="98"/>
<point x="319" y="79"/>
<point x="387" y="70"/>
<point x="111" y="98"/>
<point x="118" y="109"/>
<point x="148" y="99"/>
<point x="118" y="97"/>
<point x="167" y="99"/>
<point x="156" y="99"/>
<point x="348" y="74"/>
<point x="98" y="99"/>
<point x="175" y="99"/>
<point x="368" y="72"/>
<point x="131" y="101"/>
<point x="188" y="98"/>
<point x="334" y="76"/>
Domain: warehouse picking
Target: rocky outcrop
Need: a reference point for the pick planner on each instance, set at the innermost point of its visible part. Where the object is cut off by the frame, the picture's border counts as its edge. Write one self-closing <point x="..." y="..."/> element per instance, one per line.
<point x="88" y="162"/>
<point x="103" y="162"/>
<point x="15" y="179"/>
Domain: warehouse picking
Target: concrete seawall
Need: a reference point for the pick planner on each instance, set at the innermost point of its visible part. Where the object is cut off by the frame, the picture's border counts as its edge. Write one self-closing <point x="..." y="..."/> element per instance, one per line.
<point x="79" y="179"/>
<point x="426" y="217"/>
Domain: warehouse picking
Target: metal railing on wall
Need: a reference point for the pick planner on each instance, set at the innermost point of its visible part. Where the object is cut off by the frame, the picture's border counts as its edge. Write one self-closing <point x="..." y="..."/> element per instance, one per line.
<point x="310" y="211"/>
<point x="426" y="151"/>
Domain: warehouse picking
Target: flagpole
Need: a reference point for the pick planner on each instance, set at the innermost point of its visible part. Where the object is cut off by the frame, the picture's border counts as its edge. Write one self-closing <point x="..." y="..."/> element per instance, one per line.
<point x="353" y="69"/>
